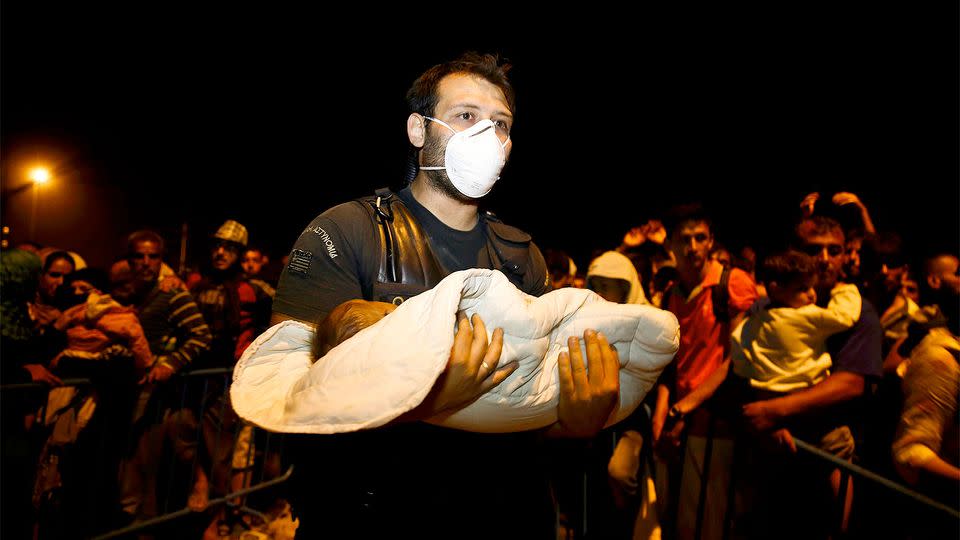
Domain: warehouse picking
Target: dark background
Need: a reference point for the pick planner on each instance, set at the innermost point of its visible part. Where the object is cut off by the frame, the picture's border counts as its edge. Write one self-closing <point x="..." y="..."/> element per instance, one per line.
<point x="160" y="116"/>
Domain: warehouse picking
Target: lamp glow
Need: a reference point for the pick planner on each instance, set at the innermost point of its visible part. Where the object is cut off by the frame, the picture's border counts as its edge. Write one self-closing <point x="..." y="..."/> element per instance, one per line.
<point x="40" y="175"/>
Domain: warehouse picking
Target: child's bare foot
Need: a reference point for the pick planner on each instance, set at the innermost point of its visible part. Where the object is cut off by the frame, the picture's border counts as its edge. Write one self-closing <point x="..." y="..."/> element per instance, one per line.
<point x="217" y="529"/>
<point x="200" y="494"/>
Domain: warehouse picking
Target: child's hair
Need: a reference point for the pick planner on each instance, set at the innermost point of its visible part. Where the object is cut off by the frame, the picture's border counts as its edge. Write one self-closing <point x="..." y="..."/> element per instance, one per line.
<point x="788" y="267"/>
<point x="344" y="322"/>
<point x="97" y="277"/>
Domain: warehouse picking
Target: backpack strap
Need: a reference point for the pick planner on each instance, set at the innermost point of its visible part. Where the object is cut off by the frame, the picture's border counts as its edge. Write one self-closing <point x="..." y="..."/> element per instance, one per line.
<point x="408" y="265"/>
<point x="721" y="297"/>
<point x="384" y="217"/>
<point x="509" y="250"/>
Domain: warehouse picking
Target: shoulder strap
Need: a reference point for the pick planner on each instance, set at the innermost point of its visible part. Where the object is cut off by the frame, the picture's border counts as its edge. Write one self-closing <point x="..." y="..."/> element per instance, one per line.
<point x="406" y="258"/>
<point x="665" y="299"/>
<point x="721" y="297"/>
<point x="383" y="213"/>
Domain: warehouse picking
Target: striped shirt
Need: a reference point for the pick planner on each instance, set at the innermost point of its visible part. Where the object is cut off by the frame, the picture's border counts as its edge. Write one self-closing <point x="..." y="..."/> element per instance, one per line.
<point x="174" y="327"/>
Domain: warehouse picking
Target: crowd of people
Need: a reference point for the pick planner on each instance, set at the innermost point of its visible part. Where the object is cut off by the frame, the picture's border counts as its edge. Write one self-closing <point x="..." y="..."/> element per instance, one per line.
<point x="839" y="337"/>
<point x="85" y="456"/>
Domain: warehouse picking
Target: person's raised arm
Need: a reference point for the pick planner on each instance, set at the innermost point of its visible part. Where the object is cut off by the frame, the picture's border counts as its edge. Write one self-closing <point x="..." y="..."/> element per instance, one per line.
<point x="844" y="198"/>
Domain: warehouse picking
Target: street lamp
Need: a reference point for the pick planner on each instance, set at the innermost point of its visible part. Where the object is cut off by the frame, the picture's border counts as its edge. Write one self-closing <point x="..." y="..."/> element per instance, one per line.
<point x="39" y="175"/>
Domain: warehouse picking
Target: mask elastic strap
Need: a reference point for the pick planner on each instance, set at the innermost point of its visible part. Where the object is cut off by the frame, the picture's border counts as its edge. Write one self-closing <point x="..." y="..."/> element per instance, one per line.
<point x="441" y="122"/>
<point x="444" y="124"/>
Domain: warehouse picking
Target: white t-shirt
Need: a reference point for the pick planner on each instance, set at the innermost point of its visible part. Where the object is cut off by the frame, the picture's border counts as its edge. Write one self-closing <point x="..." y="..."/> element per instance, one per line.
<point x="784" y="349"/>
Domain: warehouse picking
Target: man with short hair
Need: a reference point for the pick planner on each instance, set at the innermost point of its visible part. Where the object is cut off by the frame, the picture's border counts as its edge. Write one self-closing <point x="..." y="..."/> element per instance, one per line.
<point x="253" y="261"/>
<point x="236" y="308"/>
<point x="708" y="301"/>
<point x="237" y="311"/>
<point x="926" y="450"/>
<point x="856" y="360"/>
<point x="257" y="268"/>
<point x="177" y="335"/>
<point x="166" y="316"/>
<point x="423" y="480"/>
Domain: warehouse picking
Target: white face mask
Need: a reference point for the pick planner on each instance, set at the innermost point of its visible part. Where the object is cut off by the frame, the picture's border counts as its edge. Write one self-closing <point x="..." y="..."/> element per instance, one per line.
<point x="474" y="158"/>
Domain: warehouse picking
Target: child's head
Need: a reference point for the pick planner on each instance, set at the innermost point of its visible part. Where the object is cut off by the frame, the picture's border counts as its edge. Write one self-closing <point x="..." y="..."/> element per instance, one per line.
<point x="122" y="283"/>
<point x="789" y="278"/>
<point x="344" y="321"/>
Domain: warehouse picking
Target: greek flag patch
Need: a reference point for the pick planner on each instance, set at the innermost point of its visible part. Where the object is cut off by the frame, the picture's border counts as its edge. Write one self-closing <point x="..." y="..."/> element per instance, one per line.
<point x="300" y="261"/>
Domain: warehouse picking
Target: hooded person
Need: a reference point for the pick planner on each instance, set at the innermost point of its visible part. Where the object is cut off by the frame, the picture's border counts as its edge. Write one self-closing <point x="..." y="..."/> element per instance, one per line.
<point x="613" y="276"/>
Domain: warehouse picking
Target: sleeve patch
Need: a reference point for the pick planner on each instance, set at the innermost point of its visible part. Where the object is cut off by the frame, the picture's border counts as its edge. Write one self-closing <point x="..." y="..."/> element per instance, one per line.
<point x="300" y="261"/>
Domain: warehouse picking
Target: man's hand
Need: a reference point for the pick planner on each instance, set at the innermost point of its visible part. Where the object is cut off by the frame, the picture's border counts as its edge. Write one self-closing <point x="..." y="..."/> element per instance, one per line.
<point x="158" y="373"/>
<point x="634" y="237"/>
<point x="471" y="370"/>
<point x="761" y="416"/>
<point x="667" y="447"/>
<point x="655" y="231"/>
<point x="587" y="394"/>
<point x="38" y="373"/>
<point x="808" y="203"/>
<point x="782" y="439"/>
<point x="172" y="283"/>
<point x="844" y="198"/>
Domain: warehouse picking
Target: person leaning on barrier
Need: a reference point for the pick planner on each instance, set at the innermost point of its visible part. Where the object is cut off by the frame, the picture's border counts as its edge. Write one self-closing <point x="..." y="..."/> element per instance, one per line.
<point x="410" y="476"/>
<point x="856" y="361"/>
<point x="687" y="426"/>
<point x="926" y="449"/>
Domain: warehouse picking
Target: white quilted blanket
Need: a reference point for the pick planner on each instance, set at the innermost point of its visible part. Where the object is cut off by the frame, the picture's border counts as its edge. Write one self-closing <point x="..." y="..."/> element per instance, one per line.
<point x="388" y="369"/>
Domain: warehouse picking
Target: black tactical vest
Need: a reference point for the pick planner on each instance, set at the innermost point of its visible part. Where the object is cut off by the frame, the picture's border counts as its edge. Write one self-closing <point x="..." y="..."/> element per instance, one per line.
<point x="408" y="265"/>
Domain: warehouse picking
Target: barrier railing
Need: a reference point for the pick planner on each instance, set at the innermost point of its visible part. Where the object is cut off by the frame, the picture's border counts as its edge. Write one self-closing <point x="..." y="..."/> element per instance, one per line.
<point x="185" y="424"/>
<point x="212" y="405"/>
<point x="860" y="472"/>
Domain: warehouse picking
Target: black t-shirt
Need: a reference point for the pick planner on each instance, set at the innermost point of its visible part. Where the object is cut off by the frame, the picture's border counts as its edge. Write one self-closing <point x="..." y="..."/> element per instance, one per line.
<point x="456" y="250"/>
<point x="414" y="479"/>
<point x="335" y="256"/>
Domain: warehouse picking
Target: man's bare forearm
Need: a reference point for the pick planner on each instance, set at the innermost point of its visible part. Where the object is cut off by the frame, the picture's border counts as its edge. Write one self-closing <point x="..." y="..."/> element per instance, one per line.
<point x="837" y="388"/>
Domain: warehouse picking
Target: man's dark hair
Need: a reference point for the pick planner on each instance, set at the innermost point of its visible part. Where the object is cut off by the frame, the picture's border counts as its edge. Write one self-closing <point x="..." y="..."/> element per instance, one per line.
<point x="815" y="226"/>
<point x="422" y="97"/>
<point x="558" y="262"/>
<point x="884" y="248"/>
<point x="788" y="267"/>
<point x="144" y="235"/>
<point x="682" y="214"/>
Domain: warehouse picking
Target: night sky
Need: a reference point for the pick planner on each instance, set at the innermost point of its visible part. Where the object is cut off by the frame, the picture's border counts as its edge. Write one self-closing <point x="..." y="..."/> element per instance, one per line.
<point x="155" y="118"/>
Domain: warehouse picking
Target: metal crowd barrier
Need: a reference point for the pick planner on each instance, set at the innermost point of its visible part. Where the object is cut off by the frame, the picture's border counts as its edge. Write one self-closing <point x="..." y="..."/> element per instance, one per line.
<point x="183" y="407"/>
<point x="847" y="470"/>
<point x="215" y="388"/>
<point x="860" y="472"/>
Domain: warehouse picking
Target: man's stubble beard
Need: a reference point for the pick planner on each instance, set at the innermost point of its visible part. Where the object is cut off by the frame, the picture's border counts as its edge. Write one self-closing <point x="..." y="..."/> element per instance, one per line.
<point x="433" y="154"/>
